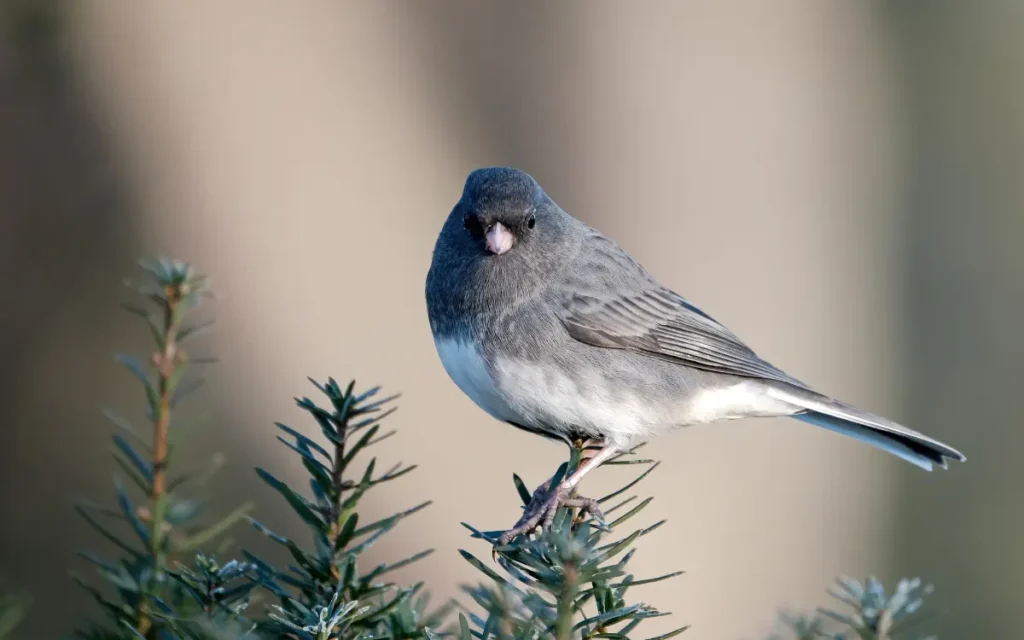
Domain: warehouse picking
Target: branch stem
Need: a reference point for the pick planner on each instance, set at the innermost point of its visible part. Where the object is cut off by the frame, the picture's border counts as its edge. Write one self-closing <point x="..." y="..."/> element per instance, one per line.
<point x="566" y="605"/>
<point x="167" y="363"/>
<point x="338" y="482"/>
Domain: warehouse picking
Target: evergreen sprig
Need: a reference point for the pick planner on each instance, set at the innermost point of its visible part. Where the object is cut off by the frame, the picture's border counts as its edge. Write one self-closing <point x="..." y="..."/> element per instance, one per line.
<point x="222" y="591"/>
<point x="874" y="614"/>
<point x="157" y="517"/>
<point x="570" y="580"/>
<point x="324" y="594"/>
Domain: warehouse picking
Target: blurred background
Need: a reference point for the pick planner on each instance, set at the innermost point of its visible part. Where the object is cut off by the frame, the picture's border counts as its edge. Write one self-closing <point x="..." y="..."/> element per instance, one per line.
<point x="838" y="182"/>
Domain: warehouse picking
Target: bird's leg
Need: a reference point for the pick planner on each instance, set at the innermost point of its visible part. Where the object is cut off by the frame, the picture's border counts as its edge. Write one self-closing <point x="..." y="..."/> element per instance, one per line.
<point x="547" y="499"/>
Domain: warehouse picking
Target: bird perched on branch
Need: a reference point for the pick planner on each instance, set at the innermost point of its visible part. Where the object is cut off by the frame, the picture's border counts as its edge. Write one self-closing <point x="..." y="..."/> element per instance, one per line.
<point x="551" y="327"/>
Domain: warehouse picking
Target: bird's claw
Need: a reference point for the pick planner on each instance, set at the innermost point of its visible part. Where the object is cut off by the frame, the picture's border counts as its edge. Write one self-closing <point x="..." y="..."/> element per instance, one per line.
<point x="544" y="504"/>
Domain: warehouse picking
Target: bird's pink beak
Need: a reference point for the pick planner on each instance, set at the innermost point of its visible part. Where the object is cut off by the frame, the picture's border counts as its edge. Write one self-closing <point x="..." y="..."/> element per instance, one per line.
<point x="499" y="238"/>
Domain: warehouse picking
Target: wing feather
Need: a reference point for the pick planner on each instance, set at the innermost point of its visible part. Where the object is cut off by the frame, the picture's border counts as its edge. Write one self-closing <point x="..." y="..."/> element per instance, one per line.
<point x="635" y="313"/>
<point x="658" y="323"/>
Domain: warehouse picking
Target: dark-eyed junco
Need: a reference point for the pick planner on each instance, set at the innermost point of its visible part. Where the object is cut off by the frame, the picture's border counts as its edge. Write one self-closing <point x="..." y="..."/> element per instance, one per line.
<point x="547" y="325"/>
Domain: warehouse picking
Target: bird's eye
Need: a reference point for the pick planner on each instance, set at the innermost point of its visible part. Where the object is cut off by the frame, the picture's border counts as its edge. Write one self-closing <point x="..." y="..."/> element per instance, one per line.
<point x="532" y="222"/>
<point x="472" y="224"/>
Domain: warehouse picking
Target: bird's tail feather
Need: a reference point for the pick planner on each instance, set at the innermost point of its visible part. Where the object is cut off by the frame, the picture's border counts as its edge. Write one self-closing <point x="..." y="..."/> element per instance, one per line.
<point x="916" y="448"/>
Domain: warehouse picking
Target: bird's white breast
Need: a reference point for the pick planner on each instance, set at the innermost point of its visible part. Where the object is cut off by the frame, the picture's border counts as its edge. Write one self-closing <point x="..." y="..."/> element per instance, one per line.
<point x="468" y="370"/>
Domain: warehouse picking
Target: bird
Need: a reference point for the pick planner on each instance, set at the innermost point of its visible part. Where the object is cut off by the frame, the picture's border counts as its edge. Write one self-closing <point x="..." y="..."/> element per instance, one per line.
<point x="551" y="327"/>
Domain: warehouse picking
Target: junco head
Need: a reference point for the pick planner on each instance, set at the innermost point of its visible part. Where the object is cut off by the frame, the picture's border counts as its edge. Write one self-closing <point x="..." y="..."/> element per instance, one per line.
<point x="504" y="230"/>
<point x="499" y="208"/>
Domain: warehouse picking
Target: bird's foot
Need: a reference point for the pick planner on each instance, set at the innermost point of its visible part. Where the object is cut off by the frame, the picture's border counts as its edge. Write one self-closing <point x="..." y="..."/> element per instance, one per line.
<point x="544" y="504"/>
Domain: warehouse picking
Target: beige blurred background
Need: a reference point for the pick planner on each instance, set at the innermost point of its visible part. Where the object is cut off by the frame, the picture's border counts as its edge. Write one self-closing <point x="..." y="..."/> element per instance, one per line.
<point x="839" y="182"/>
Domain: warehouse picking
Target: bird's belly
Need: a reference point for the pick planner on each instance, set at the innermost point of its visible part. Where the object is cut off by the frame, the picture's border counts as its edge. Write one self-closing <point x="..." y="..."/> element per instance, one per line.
<point x="468" y="370"/>
<point x="545" y="399"/>
<point x="551" y="399"/>
<point x="620" y="406"/>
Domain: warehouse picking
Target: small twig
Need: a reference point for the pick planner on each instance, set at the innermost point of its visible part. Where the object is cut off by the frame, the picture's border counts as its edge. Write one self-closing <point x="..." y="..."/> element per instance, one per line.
<point x="340" y="485"/>
<point x="166" y="367"/>
<point x="167" y="362"/>
<point x="339" y="457"/>
<point x="566" y="604"/>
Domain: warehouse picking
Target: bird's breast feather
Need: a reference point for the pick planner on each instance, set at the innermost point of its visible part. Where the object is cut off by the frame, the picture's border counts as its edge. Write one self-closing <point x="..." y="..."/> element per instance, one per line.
<point x="465" y="364"/>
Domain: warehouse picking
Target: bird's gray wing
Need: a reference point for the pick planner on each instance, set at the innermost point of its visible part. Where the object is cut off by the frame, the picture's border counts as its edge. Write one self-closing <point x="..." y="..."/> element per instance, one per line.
<point x="626" y="309"/>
